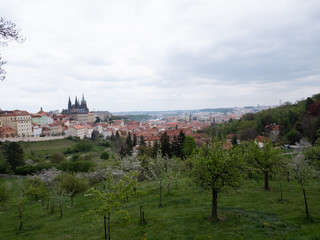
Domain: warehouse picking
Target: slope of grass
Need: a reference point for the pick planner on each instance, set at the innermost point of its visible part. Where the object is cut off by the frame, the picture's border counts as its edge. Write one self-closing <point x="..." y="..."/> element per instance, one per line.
<point x="251" y="213"/>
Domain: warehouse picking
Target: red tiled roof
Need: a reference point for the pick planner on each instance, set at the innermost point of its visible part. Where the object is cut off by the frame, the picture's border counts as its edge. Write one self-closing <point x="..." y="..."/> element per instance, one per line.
<point x="78" y="126"/>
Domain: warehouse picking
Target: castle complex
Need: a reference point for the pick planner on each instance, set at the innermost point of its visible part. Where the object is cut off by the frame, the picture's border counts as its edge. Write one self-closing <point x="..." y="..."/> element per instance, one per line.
<point x="77" y="111"/>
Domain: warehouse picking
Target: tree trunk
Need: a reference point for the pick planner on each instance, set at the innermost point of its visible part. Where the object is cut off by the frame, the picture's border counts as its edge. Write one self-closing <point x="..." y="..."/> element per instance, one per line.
<point x="160" y="204"/>
<point x="108" y="225"/>
<point x="71" y="200"/>
<point x="305" y="200"/>
<point x="60" y="210"/>
<point x="20" y="228"/>
<point x="105" y="227"/>
<point x="214" y="213"/>
<point x="266" y="181"/>
<point x="141" y="215"/>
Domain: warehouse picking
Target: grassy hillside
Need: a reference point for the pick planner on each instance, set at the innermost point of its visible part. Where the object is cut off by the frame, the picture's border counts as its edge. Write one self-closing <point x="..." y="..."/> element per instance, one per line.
<point x="251" y="213"/>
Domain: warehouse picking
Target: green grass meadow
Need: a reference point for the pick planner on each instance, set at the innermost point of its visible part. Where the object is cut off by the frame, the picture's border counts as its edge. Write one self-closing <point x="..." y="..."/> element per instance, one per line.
<point x="249" y="213"/>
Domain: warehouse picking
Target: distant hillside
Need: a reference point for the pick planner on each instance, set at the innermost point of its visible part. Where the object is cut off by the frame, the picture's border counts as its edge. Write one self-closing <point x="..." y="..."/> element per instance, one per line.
<point x="293" y="120"/>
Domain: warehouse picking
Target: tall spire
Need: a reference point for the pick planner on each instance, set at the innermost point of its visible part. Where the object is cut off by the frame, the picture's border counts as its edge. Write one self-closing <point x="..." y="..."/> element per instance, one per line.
<point x="76" y="102"/>
<point x="69" y="104"/>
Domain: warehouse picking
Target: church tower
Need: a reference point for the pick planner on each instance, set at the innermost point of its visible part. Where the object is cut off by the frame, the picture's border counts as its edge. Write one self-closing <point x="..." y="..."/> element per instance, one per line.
<point x="69" y="104"/>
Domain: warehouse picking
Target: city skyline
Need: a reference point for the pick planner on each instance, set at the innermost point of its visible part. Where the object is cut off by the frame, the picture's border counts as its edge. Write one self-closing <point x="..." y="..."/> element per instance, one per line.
<point x="160" y="55"/>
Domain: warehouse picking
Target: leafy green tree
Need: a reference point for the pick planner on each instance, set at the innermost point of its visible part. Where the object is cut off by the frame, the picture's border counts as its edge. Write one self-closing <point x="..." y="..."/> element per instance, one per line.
<point x="293" y="136"/>
<point x="95" y="135"/>
<point x="128" y="147"/>
<point x="109" y="198"/>
<point x="161" y="171"/>
<point x="247" y="134"/>
<point x="14" y="153"/>
<point x="177" y="144"/>
<point x="189" y="146"/>
<point x="19" y="203"/>
<point x="71" y="184"/>
<point x="142" y="141"/>
<point x="35" y="187"/>
<point x="267" y="160"/>
<point x="3" y="193"/>
<point x="313" y="154"/>
<point x="165" y="145"/>
<point x="216" y="168"/>
<point x="155" y="149"/>
<point x="57" y="157"/>
<point x="302" y="172"/>
<point x="134" y="141"/>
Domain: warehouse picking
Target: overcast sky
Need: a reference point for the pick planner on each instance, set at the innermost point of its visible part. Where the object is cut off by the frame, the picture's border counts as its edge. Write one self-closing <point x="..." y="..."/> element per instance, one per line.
<point x="127" y="55"/>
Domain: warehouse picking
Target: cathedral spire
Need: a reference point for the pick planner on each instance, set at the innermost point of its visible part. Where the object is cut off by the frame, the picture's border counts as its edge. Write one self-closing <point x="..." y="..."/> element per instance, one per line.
<point x="76" y="102"/>
<point x="69" y="104"/>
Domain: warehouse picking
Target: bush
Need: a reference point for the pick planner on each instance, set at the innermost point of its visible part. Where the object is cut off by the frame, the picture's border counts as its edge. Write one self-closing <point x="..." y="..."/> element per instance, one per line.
<point x="293" y="136"/>
<point x="106" y="143"/>
<point x="57" y="157"/>
<point x="76" y="166"/>
<point x="105" y="155"/>
<point x="33" y="168"/>
<point x="76" y="157"/>
<point x="84" y="146"/>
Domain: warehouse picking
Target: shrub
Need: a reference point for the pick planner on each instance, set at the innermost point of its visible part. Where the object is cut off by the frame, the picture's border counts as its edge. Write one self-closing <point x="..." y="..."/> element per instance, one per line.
<point x="76" y="166"/>
<point x="57" y="157"/>
<point x="33" y="168"/>
<point x="105" y="155"/>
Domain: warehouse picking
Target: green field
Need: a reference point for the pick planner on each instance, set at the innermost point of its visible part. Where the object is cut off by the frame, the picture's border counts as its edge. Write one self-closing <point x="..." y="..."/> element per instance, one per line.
<point x="250" y="213"/>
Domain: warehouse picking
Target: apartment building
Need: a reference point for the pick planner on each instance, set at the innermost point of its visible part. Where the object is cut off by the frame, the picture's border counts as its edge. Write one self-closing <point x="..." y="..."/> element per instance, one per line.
<point x="18" y="120"/>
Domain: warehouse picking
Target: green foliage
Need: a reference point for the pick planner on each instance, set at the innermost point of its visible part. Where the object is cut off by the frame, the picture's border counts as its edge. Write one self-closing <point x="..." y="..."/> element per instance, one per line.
<point x="267" y="160"/>
<point x="108" y="199"/>
<point x="76" y="166"/>
<point x="57" y="157"/>
<point x="14" y="153"/>
<point x="162" y="171"/>
<point x="33" y="168"/>
<point x="216" y="168"/>
<point x="19" y="203"/>
<point x="3" y="193"/>
<point x="249" y="214"/>
<point x="34" y="187"/>
<point x="165" y="145"/>
<point x="104" y="155"/>
<point x="189" y="146"/>
<point x="71" y="184"/>
<point x="115" y="190"/>
<point x="293" y="136"/>
<point x="83" y="146"/>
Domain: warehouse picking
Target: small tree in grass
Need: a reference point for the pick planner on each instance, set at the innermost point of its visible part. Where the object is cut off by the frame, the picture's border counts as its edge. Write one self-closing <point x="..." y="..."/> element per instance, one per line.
<point x="35" y="187"/>
<point x="57" y="196"/>
<point x="71" y="184"/>
<point x="109" y="198"/>
<point x="302" y="172"/>
<point x="161" y="171"/>
<point x="216" y="168"/>
<point x="19" y="203"/>
<point x="266" y="159"/>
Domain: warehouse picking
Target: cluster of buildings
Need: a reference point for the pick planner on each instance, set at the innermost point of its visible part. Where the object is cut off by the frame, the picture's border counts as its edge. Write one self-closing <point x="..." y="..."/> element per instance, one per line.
<point x="76" y="120"/>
